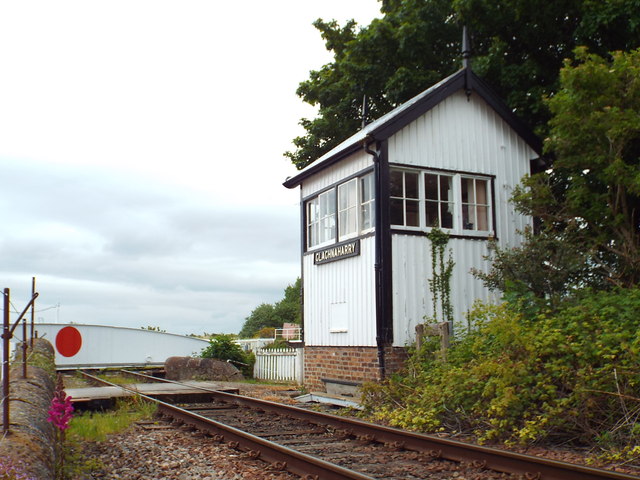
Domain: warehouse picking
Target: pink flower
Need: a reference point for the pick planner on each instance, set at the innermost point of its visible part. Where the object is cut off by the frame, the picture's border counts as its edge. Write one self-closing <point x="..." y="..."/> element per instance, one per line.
<point x="61" y="410"/>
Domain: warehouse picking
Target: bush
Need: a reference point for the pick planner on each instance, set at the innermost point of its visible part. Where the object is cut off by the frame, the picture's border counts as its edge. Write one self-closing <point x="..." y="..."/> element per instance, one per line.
<point x="223" y="347"/>
<point x="278" y="343"/>
<point x="570" y="375"/>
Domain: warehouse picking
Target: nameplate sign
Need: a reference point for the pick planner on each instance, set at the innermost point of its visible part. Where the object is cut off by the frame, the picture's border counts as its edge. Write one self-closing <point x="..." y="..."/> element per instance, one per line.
<point x="337" y="252"/>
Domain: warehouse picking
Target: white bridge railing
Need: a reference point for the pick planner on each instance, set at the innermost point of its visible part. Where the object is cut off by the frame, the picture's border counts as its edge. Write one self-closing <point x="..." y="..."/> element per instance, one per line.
<point x="291" y="334"/>
<point x="279" y="364"/>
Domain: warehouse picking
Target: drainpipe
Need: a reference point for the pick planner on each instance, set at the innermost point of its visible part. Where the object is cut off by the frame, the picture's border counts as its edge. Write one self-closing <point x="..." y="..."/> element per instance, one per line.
<point x="380" y="339"/>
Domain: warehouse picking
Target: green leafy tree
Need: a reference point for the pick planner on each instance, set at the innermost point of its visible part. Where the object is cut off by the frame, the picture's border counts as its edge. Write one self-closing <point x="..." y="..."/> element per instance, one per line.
<point x="266" y="332"/>
<point x="518" y="47"/>
<point x="545" y="268"/>
<point x="287" y="310"/>
<point x="593" y="187"/>
<point x="262" y="316"/>
<point x="389" y="61"/>
<point x="154" y="329"/>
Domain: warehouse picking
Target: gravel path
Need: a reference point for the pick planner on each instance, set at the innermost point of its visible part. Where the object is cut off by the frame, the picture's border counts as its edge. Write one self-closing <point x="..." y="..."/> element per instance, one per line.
<point x="159" y="451"/>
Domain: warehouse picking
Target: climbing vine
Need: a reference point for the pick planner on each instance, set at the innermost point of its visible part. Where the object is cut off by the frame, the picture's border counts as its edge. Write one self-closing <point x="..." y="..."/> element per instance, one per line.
<point x="440" y="281"/>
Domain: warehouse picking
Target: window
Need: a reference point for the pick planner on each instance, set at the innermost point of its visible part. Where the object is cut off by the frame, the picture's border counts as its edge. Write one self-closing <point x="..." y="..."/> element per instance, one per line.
<point x="348" y="209"/>
<point x="475" y="204"/>
<point x="327" y="216"/>
<point x="341" y="212"/>
<point x="405" y="198"/>
<point x="313" y="223"/>
<point x="321" y="219"/>
<point x="439" y="204"/>
<point x="452" y="201"/>
<point x="367" y="213"/>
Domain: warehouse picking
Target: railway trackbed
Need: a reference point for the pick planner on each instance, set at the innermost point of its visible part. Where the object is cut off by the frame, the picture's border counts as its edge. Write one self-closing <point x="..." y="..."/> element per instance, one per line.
<point x="317" y="445"/>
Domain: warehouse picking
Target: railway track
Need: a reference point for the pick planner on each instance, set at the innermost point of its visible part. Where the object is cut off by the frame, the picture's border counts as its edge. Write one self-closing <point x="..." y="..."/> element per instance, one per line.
<point x="316" y="445"/>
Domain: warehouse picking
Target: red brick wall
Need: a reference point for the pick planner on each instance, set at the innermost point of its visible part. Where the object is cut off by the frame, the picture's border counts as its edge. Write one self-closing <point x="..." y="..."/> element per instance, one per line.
<point x="351" y="364"/>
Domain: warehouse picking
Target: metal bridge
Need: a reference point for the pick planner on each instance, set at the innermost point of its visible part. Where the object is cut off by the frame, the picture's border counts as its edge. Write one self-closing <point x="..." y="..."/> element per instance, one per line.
<point x="79" y="345"/>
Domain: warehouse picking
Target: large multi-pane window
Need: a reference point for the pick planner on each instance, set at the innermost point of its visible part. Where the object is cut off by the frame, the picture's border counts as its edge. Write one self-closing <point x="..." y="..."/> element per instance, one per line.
<point x="452" y="201"/>
<point x="342" y="212"/>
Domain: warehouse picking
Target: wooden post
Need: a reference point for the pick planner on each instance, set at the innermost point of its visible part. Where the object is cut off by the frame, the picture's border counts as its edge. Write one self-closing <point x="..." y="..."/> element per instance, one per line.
<point x="443" y="330"/>
<point x="420" y="335"/>
<point x="6" y="335"/>
<point x="33" y="309"/>
<point x="436" y="330"/>
<point x="25" y="345"/>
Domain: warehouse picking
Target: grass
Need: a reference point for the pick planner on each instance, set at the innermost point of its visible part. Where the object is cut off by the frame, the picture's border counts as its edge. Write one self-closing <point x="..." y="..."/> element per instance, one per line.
<point x="118" y="379"/>
<point x="96" y="426"/>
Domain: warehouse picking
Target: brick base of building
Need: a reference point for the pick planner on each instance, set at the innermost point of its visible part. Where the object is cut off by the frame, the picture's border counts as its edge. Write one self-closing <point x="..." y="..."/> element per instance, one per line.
<point x="348" y="364"/>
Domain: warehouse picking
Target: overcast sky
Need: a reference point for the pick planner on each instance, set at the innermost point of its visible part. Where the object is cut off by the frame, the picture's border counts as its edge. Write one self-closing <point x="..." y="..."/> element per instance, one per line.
<point x="141" y="162"/>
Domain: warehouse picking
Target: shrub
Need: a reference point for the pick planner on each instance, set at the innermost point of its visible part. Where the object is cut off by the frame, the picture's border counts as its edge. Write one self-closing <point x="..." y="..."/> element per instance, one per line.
<point x="572" y="375"/>
<point x="223" y="347"/>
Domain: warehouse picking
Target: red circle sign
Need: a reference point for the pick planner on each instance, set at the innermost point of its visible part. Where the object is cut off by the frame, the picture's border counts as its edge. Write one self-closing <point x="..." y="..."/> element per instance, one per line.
<point x="68" y="341"/>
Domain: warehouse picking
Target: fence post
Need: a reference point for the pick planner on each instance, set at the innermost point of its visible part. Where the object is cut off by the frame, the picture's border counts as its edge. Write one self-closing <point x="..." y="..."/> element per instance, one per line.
<point x="5" y="364"/>
<point x="7" y="334"/>
<point x="25" y="345"/>
<point x="33" y="310"/>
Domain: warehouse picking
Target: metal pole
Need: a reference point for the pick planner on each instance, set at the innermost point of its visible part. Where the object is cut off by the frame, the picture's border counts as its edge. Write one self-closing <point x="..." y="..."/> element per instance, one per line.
<point x="6" y="335"/>
<point x="33" y="308"/>
<point x="24" y="349"/>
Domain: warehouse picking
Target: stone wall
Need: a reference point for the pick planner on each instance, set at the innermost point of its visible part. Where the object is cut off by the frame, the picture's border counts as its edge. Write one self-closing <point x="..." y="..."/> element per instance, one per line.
<point x="31" y="438"/>
<point x="348" y="364"/>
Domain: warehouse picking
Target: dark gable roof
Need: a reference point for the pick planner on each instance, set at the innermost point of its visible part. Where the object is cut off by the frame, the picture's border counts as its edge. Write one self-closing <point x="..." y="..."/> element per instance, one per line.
<point x="390" y="123"/>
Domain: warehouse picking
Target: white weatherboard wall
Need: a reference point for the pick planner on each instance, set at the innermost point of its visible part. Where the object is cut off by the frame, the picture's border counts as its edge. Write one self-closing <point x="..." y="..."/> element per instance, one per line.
<point x="340" y="298"/>
<point x="412" y="300"/>
<point x="463" y="135"/>
<point x="356" y="163"/>
<point x="116" y="346"/>
<point x="468" y="136"/>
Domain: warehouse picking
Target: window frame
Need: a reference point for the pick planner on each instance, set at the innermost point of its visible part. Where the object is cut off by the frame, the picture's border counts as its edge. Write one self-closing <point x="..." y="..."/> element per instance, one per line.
<point x="404" y="199"/>
<point x="476" y="204"/>
<point x="368" y="203"/>
<point x="351" y="209"/>
<point x="319" y="219"/>
<point x="457" y="178"/>
<point x="313" y="219"/>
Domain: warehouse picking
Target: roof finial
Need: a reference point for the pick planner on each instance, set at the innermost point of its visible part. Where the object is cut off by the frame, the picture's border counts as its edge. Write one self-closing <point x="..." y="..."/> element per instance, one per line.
<point x="466" y="49"/>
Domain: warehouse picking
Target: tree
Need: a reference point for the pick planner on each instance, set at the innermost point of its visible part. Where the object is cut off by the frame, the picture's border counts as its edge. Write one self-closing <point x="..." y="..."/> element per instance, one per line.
<point x="518" y="48"/>
<point x="154" y="329"/>
<point x="289" y="310"/>
<point x="262" y="316"/>
<point x="274" y="315"/>
<point x="541" y="271"/>
<point x="593" y="186"/>
<point x="389" y="61"/>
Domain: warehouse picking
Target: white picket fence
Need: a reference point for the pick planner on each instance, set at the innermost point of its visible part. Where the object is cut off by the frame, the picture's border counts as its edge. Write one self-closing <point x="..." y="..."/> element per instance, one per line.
<point x="279" y="364"/>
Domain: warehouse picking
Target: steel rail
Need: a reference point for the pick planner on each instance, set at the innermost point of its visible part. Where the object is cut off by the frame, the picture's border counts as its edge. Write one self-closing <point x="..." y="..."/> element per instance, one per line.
<point x="280" y="456"/>
<point x="499" y="460"/>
